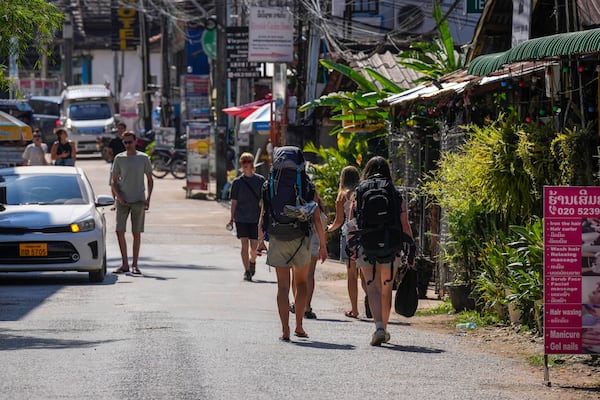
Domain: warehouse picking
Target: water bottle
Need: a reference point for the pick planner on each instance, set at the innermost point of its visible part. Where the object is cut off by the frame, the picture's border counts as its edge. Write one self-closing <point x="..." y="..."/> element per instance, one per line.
<point x="465" y="326"/>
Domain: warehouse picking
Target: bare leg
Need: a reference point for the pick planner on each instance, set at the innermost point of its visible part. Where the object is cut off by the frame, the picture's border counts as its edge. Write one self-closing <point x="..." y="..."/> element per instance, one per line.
<point x="123" y="247"/>
<point x="374" y="293"/>
<point x="137" y="241"/>
<point x="386" y="295"/>
<point x="310" y="282"/>
<point x="352" y="286"/>
<point x="253" y="246"/>
<point x="300" y="277"/>
<point x="283" y="306"/>
<point x="244" y="252"/>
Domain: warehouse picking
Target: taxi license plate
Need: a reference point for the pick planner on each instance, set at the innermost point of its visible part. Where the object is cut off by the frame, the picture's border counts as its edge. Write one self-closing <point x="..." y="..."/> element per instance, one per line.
<point x="33" y="249"/>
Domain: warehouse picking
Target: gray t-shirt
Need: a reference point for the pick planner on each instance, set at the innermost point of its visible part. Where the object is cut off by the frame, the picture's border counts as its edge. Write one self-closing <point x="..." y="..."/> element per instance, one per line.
<point x="131" y="171"/>
<point x="247" y="191"/>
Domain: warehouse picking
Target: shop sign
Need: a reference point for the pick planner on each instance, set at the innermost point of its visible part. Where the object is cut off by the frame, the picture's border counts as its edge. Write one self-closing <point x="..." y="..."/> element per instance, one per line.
<point x="571" y="306"/>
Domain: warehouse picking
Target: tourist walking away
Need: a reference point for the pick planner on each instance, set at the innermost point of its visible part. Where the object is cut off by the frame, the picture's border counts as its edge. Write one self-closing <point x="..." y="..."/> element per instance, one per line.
<point x="63" y="150"/>
<point x="312" y="266"/>
<point x="349" y="180"/>
<point x="289" y="209"/>
<point x="35" y="153"/>
<point x="383" y="229"/>
<point x="245" y="211"/>
<point x="116" y="146"/>
<point x="133" y="199"/>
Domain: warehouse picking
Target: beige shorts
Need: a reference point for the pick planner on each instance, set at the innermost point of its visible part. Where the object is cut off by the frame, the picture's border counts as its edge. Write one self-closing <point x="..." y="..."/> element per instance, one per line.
<point x="362" y="261"/>
<point x="284" y="254"/>
<point x="138" y="213"/>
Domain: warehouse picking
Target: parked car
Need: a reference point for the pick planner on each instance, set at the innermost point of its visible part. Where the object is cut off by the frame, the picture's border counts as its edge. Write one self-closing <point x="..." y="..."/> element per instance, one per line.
<point x="46" y="116"/>
<point x="50" y="221"/>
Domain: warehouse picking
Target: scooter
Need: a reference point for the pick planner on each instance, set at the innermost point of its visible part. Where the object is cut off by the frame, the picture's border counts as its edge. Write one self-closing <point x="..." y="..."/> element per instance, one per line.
<point x="166" y="161"/>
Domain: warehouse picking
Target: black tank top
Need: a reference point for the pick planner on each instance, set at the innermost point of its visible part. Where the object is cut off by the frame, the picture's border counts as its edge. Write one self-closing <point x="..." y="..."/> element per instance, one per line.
<point x="64" y="148"/>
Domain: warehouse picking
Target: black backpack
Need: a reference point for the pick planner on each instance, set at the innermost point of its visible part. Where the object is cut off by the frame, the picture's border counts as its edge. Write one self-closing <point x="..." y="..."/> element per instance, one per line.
<point x="288" y="186"/>
<point x="378" y="207"/>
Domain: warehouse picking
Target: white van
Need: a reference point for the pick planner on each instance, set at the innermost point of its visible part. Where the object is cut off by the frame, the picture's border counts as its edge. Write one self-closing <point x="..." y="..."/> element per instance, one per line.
<point x="88" y="111"/>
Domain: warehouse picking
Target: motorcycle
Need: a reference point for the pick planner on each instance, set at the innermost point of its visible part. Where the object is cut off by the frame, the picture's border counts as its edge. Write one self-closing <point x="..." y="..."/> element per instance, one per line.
<point x="165" y="161"/>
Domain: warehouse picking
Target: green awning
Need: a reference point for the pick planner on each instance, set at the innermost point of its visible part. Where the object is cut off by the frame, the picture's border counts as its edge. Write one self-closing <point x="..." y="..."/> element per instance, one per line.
<point x="562" y="44"/>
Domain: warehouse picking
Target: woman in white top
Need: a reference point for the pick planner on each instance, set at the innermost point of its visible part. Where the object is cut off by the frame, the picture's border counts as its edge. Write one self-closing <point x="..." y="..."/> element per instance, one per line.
<point x="35" y="153"/>
<point x="349" y="179"/>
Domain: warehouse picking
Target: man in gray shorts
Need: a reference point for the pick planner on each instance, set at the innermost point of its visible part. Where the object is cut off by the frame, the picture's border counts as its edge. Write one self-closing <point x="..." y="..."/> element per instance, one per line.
<point x="129" y="168"/>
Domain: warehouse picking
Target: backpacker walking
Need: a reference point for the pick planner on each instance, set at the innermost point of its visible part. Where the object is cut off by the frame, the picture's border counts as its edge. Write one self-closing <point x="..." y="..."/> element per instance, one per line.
<point x="383" y="228"/>
<point x="289" y="209"/>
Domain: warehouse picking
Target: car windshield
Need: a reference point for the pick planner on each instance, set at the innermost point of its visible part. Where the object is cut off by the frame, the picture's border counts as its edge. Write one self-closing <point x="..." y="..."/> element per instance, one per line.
<point x="89" y="111"/>
<point x="43" y="189"/>
<point x="45" y="107"/>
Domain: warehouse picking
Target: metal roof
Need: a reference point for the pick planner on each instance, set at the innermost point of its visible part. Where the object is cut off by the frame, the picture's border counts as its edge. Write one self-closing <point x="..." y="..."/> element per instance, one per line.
<point x="458" y="81"/>
<point x="561" y="44"/>
<point x="386" y="64"/>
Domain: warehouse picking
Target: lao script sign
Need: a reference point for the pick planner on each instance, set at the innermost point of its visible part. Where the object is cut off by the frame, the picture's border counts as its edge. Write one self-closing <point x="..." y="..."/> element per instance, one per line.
<point x="571" y="270"/>
<point x="271" y="35"/>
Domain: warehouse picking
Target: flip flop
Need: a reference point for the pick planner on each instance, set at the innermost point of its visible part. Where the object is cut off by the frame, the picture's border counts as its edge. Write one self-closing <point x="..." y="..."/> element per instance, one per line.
<point x="135" y="271"/>
<point x="350" y="314"/>
<point x="120" y="270"/>
<point x="284" y="338"/>
<point x="301" y="334"/>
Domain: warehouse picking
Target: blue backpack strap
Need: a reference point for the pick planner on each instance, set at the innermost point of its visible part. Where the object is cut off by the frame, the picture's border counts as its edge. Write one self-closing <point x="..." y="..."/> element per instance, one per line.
<point x="299" y="182"/>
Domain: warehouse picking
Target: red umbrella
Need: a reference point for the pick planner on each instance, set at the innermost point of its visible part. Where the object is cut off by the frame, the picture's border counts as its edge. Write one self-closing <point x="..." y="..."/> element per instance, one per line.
<point x="246" y="109"/>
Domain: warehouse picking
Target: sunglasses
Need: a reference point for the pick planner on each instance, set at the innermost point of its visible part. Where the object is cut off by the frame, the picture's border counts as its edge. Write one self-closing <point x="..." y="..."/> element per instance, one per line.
<point x="37" y="136"/>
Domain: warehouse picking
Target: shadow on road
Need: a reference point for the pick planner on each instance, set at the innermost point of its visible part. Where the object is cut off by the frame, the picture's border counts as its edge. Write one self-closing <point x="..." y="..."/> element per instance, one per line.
<point x="412" y="349"/>
<point x="323" y="345"/>
<point x="11" y="340"/>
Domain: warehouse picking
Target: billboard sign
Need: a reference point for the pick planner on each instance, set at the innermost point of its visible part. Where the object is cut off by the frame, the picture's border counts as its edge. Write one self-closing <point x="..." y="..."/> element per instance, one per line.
<point x="271" y="35"/>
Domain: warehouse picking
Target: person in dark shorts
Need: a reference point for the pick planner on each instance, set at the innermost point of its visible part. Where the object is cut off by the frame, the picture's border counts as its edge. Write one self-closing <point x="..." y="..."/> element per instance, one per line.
<point x="245" y="211"/>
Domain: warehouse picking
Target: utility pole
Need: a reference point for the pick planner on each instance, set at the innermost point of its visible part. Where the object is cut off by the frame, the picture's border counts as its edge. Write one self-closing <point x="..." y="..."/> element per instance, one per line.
<point x="68" y="50"/>
<point x="165" y="87"/>
<point x="145" y="68"/>
<point x="219" y="79"/>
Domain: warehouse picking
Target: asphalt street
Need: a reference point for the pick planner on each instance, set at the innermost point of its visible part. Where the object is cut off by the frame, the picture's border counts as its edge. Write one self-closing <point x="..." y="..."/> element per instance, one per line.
<point x="191" y="328"/>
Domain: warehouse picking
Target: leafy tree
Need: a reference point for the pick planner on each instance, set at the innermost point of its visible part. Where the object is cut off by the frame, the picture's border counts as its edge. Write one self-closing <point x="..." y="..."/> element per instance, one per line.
<point x="436" y="58"/>
<point x="351" y="109"/>
<point x="32" y="24"/>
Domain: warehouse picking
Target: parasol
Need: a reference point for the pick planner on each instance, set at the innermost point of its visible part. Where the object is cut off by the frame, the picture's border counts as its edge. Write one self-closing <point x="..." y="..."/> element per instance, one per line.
<point x="12" y="128"/>
<point x="245" y="110"/>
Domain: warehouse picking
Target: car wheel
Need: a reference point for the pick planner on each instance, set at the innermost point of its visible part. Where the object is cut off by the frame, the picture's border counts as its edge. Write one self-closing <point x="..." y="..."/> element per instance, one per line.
<point x="159" y="168"/>
<point x="98" y="276"/>
<point x="179" y="169"/>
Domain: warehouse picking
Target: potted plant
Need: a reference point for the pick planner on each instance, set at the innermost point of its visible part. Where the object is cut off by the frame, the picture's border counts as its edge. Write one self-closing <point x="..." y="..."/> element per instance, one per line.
<point x="462" y="252"/>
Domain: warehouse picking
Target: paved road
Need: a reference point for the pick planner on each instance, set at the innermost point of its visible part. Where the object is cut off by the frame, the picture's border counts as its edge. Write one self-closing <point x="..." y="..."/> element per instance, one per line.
<point x="191" y="328"/>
